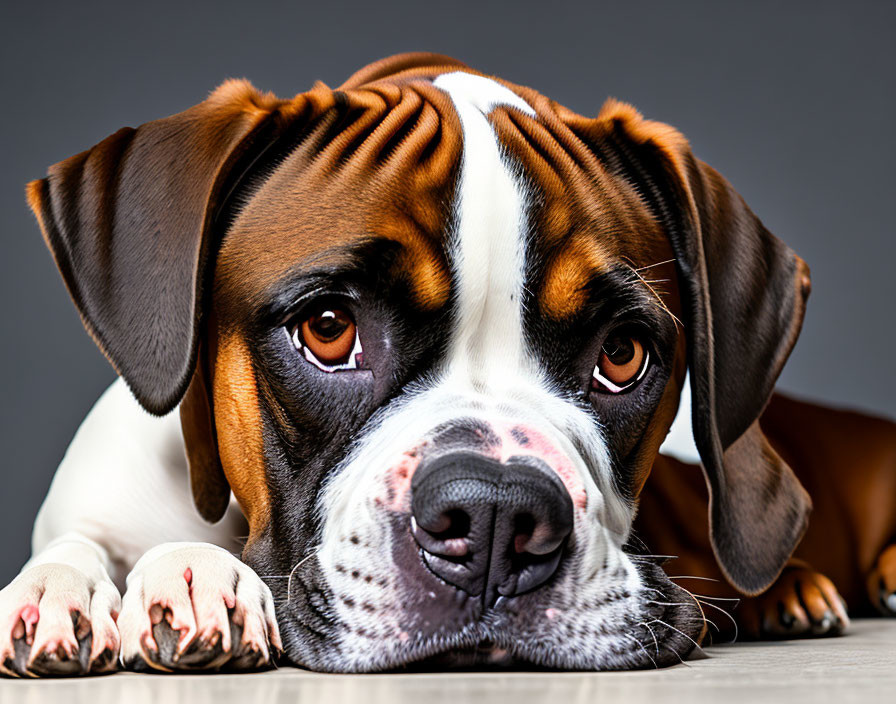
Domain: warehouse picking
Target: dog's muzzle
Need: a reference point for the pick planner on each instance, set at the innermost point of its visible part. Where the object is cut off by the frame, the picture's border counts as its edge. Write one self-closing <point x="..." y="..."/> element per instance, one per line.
<point x="490" y="528"/>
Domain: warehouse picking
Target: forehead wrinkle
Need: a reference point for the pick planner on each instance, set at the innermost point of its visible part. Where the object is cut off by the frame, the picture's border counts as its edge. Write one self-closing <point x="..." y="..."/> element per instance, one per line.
<point x="362" y="114"/>
<point x="318" y="198"/>
<point x="583" y="219"/>
<point x="551" y="134"/>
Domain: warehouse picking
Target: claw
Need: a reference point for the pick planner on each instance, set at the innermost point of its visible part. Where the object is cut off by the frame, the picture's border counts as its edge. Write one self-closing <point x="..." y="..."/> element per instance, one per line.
<point x="205" y="610"/>
<point x="801" y="603"/>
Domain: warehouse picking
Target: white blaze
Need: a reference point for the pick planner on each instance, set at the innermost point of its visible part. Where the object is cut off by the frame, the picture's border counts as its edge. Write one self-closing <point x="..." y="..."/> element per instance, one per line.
<point x="489" y="257"/>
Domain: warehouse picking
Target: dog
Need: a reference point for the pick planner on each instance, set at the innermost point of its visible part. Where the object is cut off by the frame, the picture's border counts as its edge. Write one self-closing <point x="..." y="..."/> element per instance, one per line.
<point x="419" y="340"/>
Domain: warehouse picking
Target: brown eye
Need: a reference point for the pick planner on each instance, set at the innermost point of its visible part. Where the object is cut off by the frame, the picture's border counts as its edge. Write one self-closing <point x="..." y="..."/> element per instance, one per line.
<point x="330" y="336"/>
<point x="623" y="361"/>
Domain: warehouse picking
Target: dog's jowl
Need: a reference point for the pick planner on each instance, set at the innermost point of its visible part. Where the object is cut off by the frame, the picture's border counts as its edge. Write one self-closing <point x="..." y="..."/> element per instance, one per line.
<point x="420" y="338"/>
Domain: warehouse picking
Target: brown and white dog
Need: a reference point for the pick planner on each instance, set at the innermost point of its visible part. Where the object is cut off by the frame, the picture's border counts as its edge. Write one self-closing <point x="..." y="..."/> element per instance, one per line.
<point x="427" y="333"/>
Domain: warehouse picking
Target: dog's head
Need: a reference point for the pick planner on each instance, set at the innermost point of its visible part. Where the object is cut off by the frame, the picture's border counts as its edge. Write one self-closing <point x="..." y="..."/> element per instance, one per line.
<point x="431" y="329"/>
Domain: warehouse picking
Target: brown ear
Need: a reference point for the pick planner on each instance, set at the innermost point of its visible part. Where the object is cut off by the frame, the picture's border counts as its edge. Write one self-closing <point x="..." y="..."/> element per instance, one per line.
<point x="128" y="224"/>
<point x="211" y="491"/>
<point x="133" y="225"/>
<point x="743" y="298"/>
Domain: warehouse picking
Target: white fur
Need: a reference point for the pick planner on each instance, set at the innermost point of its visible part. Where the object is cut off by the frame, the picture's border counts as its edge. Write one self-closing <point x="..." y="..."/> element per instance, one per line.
<point x="489" y="248"/>
<point x="679" y="443"/>
<point x="121" y="489"/>
<point x="126" y="467"/>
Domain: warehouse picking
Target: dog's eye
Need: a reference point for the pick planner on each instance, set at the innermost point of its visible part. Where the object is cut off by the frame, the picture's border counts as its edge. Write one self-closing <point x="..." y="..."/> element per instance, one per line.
<point x="328" y="338"/>
<point x="623" y="362"/>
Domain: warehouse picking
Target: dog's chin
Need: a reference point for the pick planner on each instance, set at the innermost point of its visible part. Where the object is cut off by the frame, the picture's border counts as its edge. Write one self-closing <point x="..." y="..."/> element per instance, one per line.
<point x="661" y="628"/>
<point x="485" y="655"/>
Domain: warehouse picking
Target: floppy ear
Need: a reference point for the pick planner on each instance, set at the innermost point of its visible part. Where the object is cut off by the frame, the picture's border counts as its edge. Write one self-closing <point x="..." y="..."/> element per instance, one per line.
<point x="211" y="491"/>
<point x="130" y="224"/>
<point x="743" y="298"/>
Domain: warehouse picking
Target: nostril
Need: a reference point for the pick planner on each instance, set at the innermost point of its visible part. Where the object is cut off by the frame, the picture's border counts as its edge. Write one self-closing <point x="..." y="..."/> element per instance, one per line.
<point x="538" y="536"/>
<point x="445" y="534"/>
<point x="454" y="523"/>
<point x="523" y="529"/>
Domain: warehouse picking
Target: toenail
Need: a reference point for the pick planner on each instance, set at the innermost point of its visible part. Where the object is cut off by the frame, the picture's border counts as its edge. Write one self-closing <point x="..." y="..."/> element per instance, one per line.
<point x="786" y="618"/>
<point x="890" y="601"/>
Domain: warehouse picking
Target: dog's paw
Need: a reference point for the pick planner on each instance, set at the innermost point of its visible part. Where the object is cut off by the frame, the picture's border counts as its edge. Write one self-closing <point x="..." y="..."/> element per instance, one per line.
<point x="194" y="606"/>
<point x="56" y="621"/>
<point x="882" y="582"/>
<point x="802" y="603"/>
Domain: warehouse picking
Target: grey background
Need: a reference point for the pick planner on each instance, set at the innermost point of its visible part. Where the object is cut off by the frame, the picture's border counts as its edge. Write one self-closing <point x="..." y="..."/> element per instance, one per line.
<point x="793" y="102"/>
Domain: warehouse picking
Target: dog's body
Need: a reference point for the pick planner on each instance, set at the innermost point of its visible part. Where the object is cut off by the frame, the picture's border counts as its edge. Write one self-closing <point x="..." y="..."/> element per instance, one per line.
<point x="845" y="460"/>
<point x="427" y="329"/>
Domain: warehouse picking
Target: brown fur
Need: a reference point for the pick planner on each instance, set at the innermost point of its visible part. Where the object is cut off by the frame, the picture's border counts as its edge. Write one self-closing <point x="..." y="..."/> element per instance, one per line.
<point x="239" y="428"/>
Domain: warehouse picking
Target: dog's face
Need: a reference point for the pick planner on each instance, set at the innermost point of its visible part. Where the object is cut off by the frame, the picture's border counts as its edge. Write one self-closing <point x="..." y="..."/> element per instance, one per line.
<point x="457" y="366"/>
<point x="442" y="325"/>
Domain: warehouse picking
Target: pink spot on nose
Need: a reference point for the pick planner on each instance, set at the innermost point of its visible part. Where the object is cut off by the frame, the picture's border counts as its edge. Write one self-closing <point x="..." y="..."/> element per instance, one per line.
<point x="188" y="576"/>
<point x="524" y="440"/>
<point x="399" y="478"/>
<point x="551" y="614"/>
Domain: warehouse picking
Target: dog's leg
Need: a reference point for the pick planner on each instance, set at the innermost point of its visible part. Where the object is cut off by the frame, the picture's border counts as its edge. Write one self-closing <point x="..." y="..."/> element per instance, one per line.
<point x="802" y="602"/>
<point x="882" y="582"/>
<point x="193" y="606"/>
<point x="121" y="489"/>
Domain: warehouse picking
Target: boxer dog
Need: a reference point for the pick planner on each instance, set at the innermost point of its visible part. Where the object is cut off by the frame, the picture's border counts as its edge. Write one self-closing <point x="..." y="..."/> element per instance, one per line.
<point x="425" y="335"/>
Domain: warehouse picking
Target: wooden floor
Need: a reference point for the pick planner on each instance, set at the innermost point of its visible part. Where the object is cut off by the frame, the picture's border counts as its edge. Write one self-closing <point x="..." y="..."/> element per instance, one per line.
<point x="860" y="667"/>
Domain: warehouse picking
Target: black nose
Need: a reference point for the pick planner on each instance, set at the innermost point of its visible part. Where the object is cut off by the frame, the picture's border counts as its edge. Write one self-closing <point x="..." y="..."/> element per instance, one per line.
<point x="489" y="528"/>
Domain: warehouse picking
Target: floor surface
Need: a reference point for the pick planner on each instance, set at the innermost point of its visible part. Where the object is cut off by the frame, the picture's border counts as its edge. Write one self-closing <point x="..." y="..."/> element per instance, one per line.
<point x="858" y="667"/>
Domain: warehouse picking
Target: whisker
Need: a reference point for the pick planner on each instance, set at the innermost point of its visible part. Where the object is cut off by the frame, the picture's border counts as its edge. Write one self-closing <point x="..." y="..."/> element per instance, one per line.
<point x="730" y="617"/>
<point x="675" y="653"/>
<point x="293" y="571"/>
<point x="656" y="295"/>
<point x="656" y="645"/>
<point x="653" y="557"/>
<point x="690" y="576"/>
<point x="641" y="646"/>
<point x="651" y="266"/>
<point x="712" y="623"/>
<point x="716" y="598"/>
<point x="655" y="591"/>
<point x="696" y="644"/>
<point x="702" y="620"/>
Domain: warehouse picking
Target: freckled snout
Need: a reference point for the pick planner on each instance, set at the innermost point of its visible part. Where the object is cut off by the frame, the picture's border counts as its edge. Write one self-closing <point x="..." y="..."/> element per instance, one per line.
<point x="490" y="528"/>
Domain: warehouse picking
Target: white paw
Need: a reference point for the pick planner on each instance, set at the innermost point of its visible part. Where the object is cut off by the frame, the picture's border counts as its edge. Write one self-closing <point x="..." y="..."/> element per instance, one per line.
<point x="56" y="620"/>
<point x="193" y="606"/>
